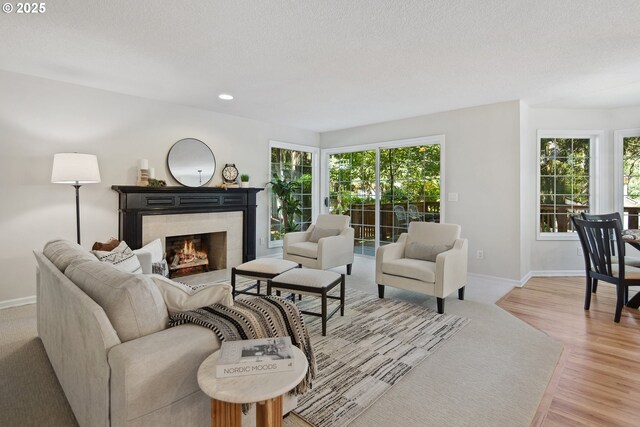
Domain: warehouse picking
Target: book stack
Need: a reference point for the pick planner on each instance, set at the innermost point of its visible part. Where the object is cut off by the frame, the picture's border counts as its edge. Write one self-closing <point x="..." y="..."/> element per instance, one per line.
<point x="251" y="357"/>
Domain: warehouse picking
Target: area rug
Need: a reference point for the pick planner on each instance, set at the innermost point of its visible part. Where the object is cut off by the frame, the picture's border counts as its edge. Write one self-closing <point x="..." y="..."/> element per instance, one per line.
<point x="366" y="352"/>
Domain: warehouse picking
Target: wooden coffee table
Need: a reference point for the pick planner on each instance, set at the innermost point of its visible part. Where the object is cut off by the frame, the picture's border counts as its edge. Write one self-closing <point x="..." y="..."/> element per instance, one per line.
<point x="228" y="394"/>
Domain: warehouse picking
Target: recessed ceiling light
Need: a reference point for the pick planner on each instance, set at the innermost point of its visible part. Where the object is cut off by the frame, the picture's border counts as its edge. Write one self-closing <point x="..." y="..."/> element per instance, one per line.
<point x="225" y="96"/>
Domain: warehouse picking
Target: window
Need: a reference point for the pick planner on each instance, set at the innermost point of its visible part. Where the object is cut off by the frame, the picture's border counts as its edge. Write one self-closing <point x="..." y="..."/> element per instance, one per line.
<point x="627" y="188"/>
<point x="295" y="168"/>
<point x="565" y="181"/>
<point x="383" y="187"/>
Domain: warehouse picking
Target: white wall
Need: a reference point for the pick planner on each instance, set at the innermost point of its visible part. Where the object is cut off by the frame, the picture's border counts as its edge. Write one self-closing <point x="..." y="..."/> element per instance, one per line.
<point x="561" y="256"/>
<point x="527" y="203"/>
<point x="40" y="117"/>
<point x="482" y="164"/>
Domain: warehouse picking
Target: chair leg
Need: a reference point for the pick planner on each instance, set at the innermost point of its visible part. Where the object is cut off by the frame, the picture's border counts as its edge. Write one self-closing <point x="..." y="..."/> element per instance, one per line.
<point x="626" y="295"/>
<point x="381" y="291"/>
<point x="349" y="269"/>
<point x="233" y="282"/>
<point x="620" y="292"/>
<point x="440" y="302"/>
<point x="587" y="296"/>
<point x="594" y="286"/>
<point x="461" y="293"/>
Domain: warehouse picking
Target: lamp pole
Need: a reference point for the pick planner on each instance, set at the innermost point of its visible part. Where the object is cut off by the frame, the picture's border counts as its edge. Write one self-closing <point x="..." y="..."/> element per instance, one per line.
<point x="77" y="187"/>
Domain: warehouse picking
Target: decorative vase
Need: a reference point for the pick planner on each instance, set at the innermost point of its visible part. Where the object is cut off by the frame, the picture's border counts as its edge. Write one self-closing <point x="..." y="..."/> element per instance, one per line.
<point x="244" y="184"/>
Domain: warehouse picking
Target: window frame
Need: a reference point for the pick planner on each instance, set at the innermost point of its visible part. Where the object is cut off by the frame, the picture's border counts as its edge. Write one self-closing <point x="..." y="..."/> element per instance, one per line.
<point x="618" y="166"/>
<point x="315" y="183"/>
<point x="377" y="146"/>
<point x="595" y="137"/>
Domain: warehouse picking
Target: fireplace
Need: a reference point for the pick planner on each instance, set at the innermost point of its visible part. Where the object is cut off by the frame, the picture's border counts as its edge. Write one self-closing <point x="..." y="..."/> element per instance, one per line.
<point x="196" y="253"/>
<point x="147" y="213"/>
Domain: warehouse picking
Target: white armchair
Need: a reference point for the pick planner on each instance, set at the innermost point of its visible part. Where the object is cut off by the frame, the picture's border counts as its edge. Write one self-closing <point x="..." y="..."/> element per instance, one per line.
<point x="431" y="259"/>
<point x="326" y="244"/>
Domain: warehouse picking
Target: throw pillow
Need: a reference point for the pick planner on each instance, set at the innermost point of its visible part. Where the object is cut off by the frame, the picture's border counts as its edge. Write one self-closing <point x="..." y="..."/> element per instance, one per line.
<point x="155" y="248"/>
<point x="319" y="232"/>
<point x="425" y="252"/>
<point x="108" y="246"/>
<point x="121" y="257"/>
<point x="182" y="297"/>
<point x="161" y="268"/>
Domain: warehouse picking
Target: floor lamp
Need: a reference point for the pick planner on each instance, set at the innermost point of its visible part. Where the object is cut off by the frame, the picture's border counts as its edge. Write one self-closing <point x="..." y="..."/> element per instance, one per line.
<point x="75" y="169"/>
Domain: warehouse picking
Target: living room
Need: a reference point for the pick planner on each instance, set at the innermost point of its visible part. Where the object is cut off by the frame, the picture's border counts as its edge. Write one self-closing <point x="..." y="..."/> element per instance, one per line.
<point x="114" y="81"/>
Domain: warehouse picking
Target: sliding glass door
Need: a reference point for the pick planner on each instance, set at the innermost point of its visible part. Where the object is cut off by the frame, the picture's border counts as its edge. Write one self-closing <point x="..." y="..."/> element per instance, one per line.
<point x="352" y="191"/>
<point x="385" y="187"/>
<point x="409" y="188"/>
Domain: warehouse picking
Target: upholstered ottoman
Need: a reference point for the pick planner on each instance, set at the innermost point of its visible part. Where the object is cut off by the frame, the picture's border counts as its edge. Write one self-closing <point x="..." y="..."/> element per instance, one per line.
<point x="311" y="282"/>
<point x="259" y="269"/>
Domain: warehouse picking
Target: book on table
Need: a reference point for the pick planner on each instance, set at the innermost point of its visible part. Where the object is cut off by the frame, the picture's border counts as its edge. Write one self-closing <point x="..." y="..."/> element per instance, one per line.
<point x="259" y="356"/>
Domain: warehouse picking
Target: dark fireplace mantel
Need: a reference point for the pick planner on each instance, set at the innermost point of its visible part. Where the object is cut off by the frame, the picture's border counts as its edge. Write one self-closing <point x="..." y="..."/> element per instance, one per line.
<point x="136" y="202"/>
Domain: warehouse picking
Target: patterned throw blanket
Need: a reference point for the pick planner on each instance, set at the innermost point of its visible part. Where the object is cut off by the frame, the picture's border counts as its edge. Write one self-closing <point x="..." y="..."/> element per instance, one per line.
<point x="252" y="318"/>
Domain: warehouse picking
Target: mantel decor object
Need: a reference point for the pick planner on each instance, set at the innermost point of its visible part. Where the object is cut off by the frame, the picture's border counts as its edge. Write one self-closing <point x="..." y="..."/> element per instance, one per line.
<point x="75" y="169"/>
<point x="144" y="173"/>
<point x="191" y="162"/>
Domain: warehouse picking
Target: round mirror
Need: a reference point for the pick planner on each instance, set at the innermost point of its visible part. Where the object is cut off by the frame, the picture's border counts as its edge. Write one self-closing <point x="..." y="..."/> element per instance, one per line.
<point x="191" y="162"/>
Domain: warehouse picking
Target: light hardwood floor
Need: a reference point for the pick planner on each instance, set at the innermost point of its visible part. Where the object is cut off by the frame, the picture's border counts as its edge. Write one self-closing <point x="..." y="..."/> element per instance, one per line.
<point x="597" y="381"/>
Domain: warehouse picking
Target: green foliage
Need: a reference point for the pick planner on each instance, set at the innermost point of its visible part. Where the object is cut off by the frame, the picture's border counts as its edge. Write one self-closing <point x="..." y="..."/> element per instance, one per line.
<point x="631" y="162"/>
<point x="407" y="175"/>
<point x="289" y="207"/>
<point x="564" y="171"/>
<point x="244" y="177"/>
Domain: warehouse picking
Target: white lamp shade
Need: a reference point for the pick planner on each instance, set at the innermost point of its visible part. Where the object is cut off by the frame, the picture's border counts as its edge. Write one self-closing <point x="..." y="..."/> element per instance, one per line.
<point x="75" y="168"/>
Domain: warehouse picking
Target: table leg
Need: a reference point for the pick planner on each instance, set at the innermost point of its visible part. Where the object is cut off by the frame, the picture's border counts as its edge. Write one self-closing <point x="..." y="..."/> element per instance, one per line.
<point x="634" y="302"/>
<point x="225" y="414"/>
<point x="269" y="413"/>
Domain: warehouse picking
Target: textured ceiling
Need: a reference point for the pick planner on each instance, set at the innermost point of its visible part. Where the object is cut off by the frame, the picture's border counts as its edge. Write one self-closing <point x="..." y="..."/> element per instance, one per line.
<point x="325" y="65"/>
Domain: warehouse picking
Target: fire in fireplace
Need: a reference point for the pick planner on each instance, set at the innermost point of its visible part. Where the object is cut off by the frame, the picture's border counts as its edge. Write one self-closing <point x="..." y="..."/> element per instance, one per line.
<point x="197" y="253"/>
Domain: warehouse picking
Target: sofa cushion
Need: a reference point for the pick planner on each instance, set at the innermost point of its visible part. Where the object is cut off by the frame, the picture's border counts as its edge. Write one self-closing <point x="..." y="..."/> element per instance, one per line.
<point x="305" y="249"/>
<point x="62" y="252"/>
<point x="319" y="233"/>
<point x="155" y="248"/>
<point x="182" y="297"/>
<point x="132" y="302"/>
<point x="423" y="251"/>
<point x="122" y="258"/>
<point x="411" y="268"/>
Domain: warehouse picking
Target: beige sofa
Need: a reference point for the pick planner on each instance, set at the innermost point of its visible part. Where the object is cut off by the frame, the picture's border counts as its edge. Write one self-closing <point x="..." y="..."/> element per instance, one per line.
<point x="106" y="335"/>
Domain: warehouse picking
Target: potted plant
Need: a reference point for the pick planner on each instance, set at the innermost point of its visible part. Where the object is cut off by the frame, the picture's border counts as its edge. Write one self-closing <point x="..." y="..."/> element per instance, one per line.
<point x="289" y="206"/>
<point x="244" y="180"/>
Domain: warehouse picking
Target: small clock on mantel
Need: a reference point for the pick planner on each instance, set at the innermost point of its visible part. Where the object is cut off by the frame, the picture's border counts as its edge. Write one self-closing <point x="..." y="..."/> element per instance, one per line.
<point x="230" y="173"/>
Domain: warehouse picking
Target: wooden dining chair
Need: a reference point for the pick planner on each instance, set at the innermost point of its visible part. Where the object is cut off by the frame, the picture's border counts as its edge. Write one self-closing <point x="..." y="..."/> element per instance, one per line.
<point x="600" y="261"/>
<point x="632" y="261"/>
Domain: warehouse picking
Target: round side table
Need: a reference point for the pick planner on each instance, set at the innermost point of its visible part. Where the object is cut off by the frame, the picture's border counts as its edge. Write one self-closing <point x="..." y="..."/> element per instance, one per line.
<point x="228" y="394"/>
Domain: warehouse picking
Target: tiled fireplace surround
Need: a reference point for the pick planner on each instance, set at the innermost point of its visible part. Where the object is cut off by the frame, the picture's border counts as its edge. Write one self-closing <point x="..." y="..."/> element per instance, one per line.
<point x="148" y="213"/>
<point x="163" y="226"/>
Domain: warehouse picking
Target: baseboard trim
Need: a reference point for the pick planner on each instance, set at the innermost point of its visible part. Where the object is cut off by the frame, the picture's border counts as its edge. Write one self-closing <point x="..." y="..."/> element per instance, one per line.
<point x="557" y="273"/>
<point x="17" y="302"/>
<point x="496" y="279"/>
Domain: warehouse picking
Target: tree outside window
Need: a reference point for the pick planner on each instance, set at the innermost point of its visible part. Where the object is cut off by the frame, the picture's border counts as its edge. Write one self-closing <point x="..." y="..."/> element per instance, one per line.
<point x="631" y="181"/>
<point x="564" y="182"/>
<point x="295" y="169"/>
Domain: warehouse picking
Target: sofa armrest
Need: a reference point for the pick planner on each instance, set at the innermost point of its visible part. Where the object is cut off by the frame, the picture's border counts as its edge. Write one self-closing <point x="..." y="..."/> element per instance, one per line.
<point x="389" y="252"/>
<point x="336" y="250"/>
<point x="144" y="257"/>
<point x="156" y="370"/>
<point x="451" y="269"/>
